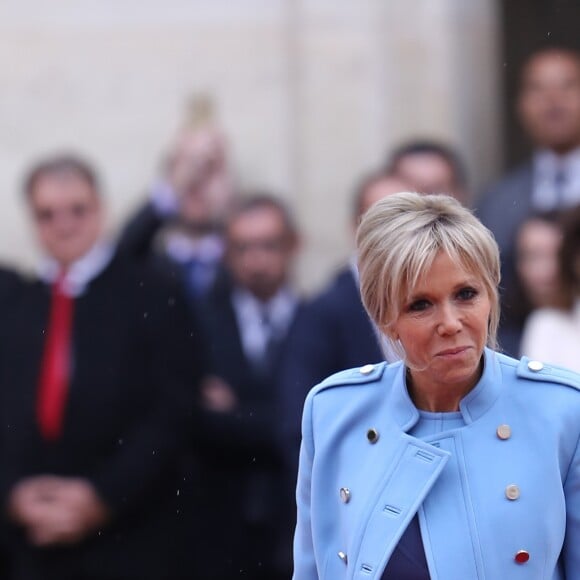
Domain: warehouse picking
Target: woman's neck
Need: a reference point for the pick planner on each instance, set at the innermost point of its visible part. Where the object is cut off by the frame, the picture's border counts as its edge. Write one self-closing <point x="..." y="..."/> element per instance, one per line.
<point x="435" y="402"/>
<point x="434" y="399"/>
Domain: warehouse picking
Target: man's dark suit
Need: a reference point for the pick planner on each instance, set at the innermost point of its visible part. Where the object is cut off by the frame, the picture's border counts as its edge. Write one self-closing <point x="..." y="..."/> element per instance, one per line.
<point x="503" y="209"/>
<point x="332" y="333"/>
<point x="247" y="512"/>
<point x="137" y="360"/>
<point x="505" y="206"/>
<point x="10" y="285"/>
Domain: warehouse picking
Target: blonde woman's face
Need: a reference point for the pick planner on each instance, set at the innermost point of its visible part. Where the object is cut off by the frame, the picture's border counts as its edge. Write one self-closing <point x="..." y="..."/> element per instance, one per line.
<point x="443" y="327"/>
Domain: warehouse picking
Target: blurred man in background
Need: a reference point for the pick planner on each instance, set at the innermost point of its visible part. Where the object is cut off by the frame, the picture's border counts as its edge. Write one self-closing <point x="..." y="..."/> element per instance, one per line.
<point x="549" y="110"/>
<point x="248" y="504"/>
<point x="99" y="362"/>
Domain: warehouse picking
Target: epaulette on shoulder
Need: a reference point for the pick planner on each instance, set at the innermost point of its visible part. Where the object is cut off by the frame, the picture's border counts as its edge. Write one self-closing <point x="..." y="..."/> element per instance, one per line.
<point x="536" y="370"/>
<point x="359" y="375"/>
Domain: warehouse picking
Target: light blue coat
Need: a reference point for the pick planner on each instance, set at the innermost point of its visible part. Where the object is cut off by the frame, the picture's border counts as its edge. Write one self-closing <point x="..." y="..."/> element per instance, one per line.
<point x="457" y="480"/>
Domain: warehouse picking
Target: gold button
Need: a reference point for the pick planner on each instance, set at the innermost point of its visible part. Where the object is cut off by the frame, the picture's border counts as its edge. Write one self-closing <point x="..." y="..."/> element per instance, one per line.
<point x="535" y="366"/>
<point x="372" y="435"/>
<point x="343" y="556"/>
<point x="504" y="432"/>
<point x="367" y="369"/>
<point x="345" y="494"/>
<point x="512" y="492"/>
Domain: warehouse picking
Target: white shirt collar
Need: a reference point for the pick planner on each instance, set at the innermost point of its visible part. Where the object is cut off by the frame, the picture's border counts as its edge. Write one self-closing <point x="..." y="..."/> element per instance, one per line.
<point x="81" y="272"/>
<point x="182" y="248"/>
<point x="280" y="307"/>
<point x="254" y="334"/>
<point x="548" y="160"/>
<point x="546" y="164"/>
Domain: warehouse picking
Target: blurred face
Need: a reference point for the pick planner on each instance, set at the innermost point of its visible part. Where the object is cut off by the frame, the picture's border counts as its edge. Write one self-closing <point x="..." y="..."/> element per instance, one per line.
<point x="260" y="251"/>
<point x="195" y="211"/>
<point x="427" y="173"/>
<point x="68" y="216"/>
<point x="537" y="247"/>
<point x="549" y="103"/>
<point x="443" y="328"/>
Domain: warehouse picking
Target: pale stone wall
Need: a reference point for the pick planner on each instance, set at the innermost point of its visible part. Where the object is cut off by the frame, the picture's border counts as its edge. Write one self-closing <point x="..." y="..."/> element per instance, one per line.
<point x="311" y="93"/>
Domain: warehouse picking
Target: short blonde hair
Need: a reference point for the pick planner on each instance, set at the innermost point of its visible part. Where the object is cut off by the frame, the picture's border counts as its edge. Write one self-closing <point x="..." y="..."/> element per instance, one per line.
<point x="397" y="241"/>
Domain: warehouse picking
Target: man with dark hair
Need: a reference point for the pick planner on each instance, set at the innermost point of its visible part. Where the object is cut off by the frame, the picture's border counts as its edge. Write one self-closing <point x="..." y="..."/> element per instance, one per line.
<point x="430" y="167"/>
<point x="62" y="165"/>
<point x="99" y="361"/>
<point x="248" y="504"/>
<point x="548" y="107"/>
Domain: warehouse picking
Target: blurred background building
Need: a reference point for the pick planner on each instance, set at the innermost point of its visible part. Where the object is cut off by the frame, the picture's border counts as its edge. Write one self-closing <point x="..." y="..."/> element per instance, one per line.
<point x="310" y="94"/>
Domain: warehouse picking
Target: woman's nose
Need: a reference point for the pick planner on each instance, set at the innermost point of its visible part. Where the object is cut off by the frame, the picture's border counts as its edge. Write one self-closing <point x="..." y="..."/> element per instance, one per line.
<point x="449" y="321"/>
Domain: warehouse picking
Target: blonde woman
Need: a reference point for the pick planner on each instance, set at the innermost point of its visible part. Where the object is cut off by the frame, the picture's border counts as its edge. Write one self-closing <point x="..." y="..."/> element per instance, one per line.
<point x="456" y="463"/>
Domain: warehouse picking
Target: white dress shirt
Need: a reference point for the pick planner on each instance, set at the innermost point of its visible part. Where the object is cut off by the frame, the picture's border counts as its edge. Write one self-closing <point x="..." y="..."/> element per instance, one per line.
<point x="80" y="272"/>
<point x="259" y="322"/>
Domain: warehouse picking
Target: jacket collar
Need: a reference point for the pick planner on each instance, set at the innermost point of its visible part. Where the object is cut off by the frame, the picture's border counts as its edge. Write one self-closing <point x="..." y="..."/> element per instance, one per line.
<point x="473" y="406"/>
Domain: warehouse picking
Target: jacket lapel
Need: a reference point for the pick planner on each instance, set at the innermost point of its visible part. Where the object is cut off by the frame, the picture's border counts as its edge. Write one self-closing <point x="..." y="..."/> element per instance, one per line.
<point x="404" y="485"/>
<point x="447" y="519"/>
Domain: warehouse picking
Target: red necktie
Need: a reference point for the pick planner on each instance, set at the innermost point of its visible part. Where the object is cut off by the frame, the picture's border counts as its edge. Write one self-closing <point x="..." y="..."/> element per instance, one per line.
<point x="56" y="365"/>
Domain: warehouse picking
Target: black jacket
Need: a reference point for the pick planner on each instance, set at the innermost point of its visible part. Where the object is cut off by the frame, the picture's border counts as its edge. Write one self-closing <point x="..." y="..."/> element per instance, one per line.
<point x="137" y="360"/>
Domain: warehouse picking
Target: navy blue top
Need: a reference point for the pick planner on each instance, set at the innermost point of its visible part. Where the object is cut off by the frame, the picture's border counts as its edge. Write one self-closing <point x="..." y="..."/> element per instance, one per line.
<point x="408" y="560"/>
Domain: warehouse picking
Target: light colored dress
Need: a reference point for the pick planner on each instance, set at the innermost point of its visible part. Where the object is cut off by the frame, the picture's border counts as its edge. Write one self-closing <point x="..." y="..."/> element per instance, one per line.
<point x="553" y="336"/>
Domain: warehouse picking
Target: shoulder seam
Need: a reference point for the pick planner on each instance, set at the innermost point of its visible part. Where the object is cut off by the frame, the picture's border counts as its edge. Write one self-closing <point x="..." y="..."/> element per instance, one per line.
<point x="355" y="376"/>
<point x="542" y="372"/>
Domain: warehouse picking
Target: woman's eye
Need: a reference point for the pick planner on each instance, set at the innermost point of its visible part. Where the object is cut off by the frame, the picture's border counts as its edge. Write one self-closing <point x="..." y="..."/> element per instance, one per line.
<point x="419" y="305"/>
<point x="467" y="293"/>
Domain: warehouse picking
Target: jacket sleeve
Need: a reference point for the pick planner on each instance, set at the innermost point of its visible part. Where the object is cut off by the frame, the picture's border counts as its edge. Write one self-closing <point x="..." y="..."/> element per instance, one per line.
<point x="137" y="236"/>
<point x="571" y="552"/>
<point x="305" y="566"/>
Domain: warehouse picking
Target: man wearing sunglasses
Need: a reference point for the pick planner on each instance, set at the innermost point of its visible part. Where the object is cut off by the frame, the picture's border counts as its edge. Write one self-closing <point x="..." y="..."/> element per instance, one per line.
<point x="99" y="361"/>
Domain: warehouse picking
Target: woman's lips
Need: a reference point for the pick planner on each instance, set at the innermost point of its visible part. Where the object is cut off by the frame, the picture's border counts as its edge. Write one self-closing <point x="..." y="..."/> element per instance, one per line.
<point x="450" y="352"/>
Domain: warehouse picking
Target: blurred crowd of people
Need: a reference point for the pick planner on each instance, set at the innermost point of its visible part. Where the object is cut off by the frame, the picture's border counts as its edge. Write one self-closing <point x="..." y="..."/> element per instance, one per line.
<point x="151" y="385"/>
